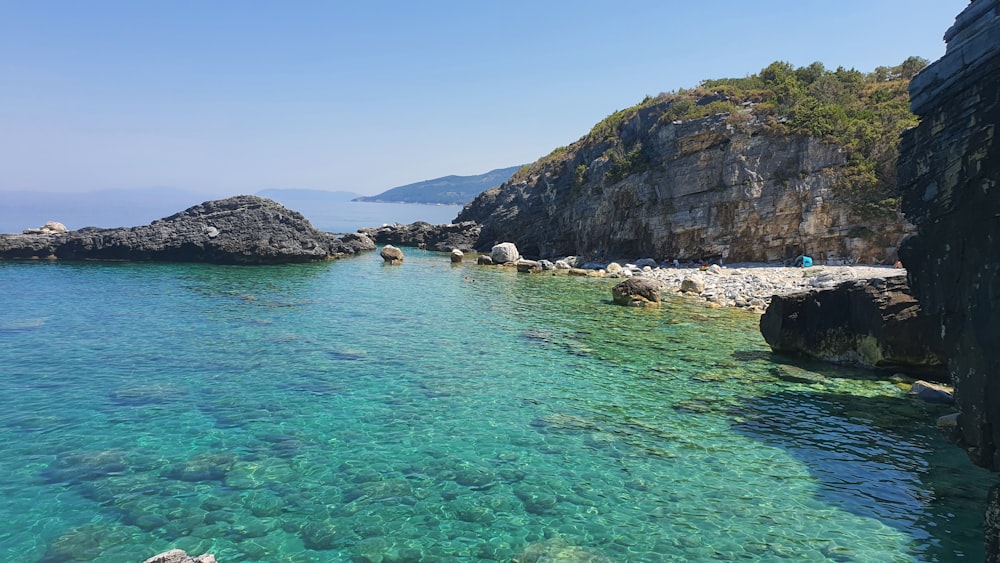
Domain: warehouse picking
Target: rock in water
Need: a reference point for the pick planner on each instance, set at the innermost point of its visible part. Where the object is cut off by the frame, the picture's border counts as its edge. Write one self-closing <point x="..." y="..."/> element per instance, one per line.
<point x="874" y="323"/>
<point x="637" y="292"/>
<point x="392" y="255"/>
<point x="457" y="256"/>
<point x="237" y="230"/>
<point x="504" y="252"/>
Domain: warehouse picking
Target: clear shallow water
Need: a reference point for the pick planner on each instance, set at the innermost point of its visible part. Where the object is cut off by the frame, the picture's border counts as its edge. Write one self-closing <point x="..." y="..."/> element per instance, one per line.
<point x="352" y="411"/>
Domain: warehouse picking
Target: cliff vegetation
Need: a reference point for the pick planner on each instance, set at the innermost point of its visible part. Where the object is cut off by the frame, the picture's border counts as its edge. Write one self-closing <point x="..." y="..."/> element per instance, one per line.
<point x="782" y="161"/>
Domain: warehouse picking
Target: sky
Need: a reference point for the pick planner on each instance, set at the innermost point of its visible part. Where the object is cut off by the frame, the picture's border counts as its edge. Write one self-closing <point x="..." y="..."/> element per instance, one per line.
<point x="229" y="97"/>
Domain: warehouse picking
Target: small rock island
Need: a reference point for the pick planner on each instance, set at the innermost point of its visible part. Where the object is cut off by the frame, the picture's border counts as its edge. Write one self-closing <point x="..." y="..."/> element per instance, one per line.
<point x="237" y="230"/>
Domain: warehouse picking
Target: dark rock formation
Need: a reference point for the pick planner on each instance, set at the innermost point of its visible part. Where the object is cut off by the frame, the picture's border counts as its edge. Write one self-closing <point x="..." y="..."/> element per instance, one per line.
<point x="391" y="255"/>
<point x="708" y="189"/>
<point x="873" y="323"/>
<point x="637" y="292"/>
<point x="443" y="238"/>
<point x="237" y="230"/>
<point x="949" y="171"/>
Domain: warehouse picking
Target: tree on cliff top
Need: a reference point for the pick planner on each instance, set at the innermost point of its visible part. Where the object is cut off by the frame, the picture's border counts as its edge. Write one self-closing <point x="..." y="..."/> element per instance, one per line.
<point x="863" y="113"/>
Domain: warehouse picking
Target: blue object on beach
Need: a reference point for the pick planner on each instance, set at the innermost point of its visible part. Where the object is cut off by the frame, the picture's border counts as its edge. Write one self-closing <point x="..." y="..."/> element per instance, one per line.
<point x="807" y="261"/>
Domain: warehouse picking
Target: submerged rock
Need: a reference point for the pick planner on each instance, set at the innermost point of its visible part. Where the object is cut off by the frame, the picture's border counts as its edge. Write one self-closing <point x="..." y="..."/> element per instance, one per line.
<point x="180" y="556"/>
<point x="237" y="230"/>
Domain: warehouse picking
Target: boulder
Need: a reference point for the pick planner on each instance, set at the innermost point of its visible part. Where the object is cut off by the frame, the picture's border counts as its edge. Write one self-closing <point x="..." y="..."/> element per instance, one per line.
<point x="562" y="265"/>
<point x="484" y="260"/>
<point x="528" y="266"/>
<point x="237" y="230"/>
<point x="873" y="323"/>
<point x="504" y="252"/>
<point x="457" y="256"/>
<point x="693" y="284"/>
<point x="613" y="268"/>
<point x="391" y="255"/>
<point x="637" y="292"/>
<point x="933" y="392"/>
<point x="49" y="228"/>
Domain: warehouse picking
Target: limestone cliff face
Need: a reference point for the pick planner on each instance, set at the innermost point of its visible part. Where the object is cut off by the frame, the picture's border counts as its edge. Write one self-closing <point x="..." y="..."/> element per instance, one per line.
<point x="949" y="172"/>
<point x="719" y="186"/>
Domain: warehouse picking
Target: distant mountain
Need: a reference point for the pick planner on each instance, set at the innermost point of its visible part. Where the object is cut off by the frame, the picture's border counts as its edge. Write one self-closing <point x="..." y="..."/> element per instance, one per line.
<point x="449" y="190"/>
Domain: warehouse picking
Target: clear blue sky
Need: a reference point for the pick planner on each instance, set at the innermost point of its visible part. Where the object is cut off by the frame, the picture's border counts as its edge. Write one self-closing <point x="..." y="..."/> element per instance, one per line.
<point x="227" y="97"/>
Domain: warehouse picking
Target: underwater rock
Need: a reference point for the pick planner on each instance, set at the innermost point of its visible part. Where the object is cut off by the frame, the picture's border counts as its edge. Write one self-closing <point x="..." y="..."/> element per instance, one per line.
<point x="86" y="466"/>
<point x="204" y="467"/>
<point x="558" y="549"/>
<point x="180" y="556"/>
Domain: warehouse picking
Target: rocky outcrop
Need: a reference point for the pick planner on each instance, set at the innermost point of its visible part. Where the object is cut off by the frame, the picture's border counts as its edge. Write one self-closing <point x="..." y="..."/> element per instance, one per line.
<point x="637" y="292"/>
<point x="722" y="186"/>
<point x="874" y="323"/>
<point x="949" y="173"/>
<point x="237" y="230"/>
<point x="442" y="238"/>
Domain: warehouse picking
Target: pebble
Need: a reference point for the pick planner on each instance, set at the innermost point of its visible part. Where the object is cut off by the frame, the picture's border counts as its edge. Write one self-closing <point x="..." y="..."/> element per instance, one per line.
<point x="751" y="286"/>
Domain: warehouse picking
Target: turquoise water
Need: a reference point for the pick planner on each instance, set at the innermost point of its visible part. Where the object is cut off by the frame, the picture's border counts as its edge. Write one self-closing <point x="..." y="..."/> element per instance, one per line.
<point x="350" y="411"/>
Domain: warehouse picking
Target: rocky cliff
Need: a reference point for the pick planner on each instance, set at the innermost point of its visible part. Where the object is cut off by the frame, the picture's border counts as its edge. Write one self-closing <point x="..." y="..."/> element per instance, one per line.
<point x="949" y="173"/>
<point x="237" y="230"/>
<point x="733" y="185"/>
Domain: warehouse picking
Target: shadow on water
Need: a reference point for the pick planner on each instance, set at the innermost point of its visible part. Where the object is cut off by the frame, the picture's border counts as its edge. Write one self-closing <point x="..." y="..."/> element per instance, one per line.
<point x="890" y="461"/>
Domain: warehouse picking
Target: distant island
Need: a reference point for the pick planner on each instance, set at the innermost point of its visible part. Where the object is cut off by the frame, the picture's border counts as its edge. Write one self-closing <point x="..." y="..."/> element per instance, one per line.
<point x="449" y="190"/>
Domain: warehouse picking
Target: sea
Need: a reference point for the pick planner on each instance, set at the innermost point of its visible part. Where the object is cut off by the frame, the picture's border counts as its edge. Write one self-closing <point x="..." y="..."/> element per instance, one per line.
<point x="354" y="411"/>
